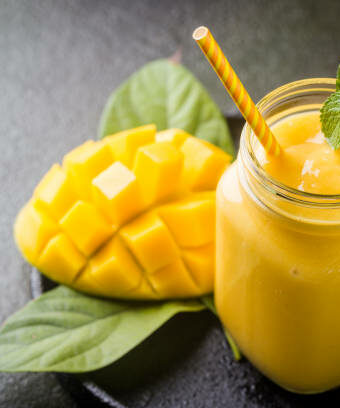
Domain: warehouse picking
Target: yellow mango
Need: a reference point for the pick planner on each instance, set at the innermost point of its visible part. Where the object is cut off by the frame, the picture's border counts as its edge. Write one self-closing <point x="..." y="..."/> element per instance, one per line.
<point x="116" y="192"/>
<point x="132" y="216"/>
<point x="32" y="231"/>
<point x="84" y="163"/>
<point x="86" y="226"/>
<point x="85" y="282"/>
<point x="125" y="144"/>
<point x="151" y="242"/>
<point x="60" y="260"/>
<point x="158" y="168"/>
<point x="174" y="281"/>
<point x="55" y="193"/>
<point x="191" y="220"/>
<point x="201" y="263"/>
<point x="114" y="266"/>
<point x="143" y="291"/>
<point x="174" y="136"/>
<point x="203" y="164"/>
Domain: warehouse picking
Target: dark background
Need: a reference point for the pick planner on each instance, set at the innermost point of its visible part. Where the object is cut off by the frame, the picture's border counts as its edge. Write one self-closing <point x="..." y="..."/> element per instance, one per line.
<point x="59" y="61"/>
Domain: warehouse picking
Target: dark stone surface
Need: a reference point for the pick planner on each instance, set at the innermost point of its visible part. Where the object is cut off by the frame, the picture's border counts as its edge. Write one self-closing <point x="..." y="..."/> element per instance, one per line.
<point x="59" y="60"/>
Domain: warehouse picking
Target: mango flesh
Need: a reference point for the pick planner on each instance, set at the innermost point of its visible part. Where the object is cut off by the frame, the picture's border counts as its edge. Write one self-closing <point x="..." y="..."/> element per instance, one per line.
<point x="132" y="216"/>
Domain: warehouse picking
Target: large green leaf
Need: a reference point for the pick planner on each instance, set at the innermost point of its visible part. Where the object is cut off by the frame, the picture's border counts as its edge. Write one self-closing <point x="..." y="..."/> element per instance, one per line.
<point x="64" y="330"/>
<point x="67" y="331"/>
<point x="168" y="95"/>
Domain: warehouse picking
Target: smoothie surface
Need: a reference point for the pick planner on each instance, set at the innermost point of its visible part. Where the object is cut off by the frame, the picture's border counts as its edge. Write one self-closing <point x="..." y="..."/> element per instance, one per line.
<point x="308" y="163"/>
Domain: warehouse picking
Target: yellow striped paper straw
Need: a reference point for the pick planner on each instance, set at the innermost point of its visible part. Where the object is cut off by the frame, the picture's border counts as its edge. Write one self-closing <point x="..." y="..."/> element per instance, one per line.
<point x="236" y="90"/>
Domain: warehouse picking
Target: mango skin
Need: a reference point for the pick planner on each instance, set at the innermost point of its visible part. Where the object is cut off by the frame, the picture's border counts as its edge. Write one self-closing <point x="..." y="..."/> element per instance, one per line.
<point x="131" y="216"/>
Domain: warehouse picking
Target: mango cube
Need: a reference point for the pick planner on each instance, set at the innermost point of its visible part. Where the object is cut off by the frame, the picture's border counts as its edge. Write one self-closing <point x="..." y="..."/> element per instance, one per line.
<point x="60" y="260"/>
<point x="158" y="167"/>
<point x="173" y="281"/>
<point x="150" y="241"/>
<point x="191" y="220"/>
<point x="32" y="230"/>
<point x="84" y="163"/>
<point x="86" y="226"/>
<point x="55" y="194"/>
<point x="174" y="136"/>
<point x="203" y="164"/>
<point x="85" y="282"/>
<point x="143" y="291"/>
<point x="117" y="193"/>
<point x="114" y="267"/>
<point x="125" y="144"/>
<point x="201" y="263"/>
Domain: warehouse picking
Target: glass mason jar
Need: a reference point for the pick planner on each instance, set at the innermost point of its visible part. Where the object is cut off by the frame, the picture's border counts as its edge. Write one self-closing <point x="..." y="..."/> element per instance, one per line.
<point x="278" y="259"/>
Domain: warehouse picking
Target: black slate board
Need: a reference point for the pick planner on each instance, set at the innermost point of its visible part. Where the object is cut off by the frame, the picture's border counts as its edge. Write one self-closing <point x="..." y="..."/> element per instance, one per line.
<point x="186" y="363"/>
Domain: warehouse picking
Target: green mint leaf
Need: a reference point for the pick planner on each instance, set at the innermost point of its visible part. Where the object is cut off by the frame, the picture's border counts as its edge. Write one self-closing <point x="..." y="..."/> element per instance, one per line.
<point x="330" y="115"/>
<point x="64" y="330"/>
<point x="330" y="119"/>
<point x="208" y="301"/>
<point x="168" y="95"/>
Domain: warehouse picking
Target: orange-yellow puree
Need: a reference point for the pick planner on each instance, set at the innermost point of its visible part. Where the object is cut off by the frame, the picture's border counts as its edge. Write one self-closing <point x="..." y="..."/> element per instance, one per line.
<point x="277" y="286"/>
<point x="308" y="162"/>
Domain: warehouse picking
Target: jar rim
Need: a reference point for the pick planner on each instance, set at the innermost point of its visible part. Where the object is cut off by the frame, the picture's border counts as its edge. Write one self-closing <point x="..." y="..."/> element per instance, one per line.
<point x="252" y="163"/>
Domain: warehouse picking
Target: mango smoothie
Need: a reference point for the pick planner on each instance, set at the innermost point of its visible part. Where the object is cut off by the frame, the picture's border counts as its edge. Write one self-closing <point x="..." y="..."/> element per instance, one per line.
<point x="308" y="162"/>
<point x="277" y="286"/>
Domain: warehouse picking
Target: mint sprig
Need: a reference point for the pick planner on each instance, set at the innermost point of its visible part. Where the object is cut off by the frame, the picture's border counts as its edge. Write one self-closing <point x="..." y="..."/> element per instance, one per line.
<point x="330" y="116"/>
